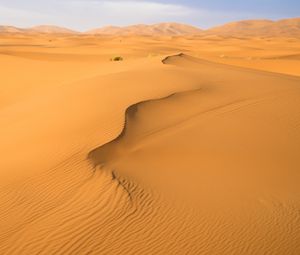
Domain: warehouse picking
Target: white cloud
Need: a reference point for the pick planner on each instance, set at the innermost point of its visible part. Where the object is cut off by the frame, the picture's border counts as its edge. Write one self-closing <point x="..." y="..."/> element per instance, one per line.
<point x="19" y="17"/>
<point x="88" y="14"/>
<point x="128" y="12"/>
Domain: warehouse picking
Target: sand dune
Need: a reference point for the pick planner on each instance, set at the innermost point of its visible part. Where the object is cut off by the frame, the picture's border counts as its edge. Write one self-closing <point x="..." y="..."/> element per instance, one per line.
<point x="244" y="28"/>
<point x="162" y="29"/>
<point x="51" y="30"/>
<point x="42" y="29"/>
<point x="189" y="145"/>
<point x="286" y="27"/>
<point x="10" y="29"/>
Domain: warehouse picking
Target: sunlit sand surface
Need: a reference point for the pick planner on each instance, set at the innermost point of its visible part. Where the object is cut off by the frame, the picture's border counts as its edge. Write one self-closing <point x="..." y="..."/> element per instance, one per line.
<point x="190" y="145"/>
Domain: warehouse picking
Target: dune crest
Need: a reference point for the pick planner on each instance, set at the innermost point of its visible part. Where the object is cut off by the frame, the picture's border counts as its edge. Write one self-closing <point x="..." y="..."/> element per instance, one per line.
<point x="46" y="29"/>
<point x="280" y="28"/>
<point x="245" y="28"/>
<point x="10" y="29"/>
<point x="161" y="29"/>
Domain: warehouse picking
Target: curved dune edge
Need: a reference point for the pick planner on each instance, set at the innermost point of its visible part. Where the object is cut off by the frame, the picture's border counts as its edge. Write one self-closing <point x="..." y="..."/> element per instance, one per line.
<point x="132" y="109"/>
<point x="184" y="60"/>
<point x="129" y="113"/>
<point x="165" y="60"/>
<point x="96" y="156"/>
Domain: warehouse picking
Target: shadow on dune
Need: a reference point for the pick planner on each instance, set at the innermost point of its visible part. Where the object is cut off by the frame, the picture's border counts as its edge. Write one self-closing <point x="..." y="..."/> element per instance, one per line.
<point x="115" y="148"/>
<point x="105" y="152"/>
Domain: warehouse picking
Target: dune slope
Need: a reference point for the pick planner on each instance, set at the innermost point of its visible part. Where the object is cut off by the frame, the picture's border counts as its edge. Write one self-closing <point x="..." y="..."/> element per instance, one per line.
<point x="51" y="30"/>
<point x="280" y="28"/>
<point x="161" y="29"/>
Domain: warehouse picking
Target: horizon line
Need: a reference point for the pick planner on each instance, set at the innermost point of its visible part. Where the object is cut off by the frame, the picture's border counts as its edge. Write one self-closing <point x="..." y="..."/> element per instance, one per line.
<point x="147" y="24"/>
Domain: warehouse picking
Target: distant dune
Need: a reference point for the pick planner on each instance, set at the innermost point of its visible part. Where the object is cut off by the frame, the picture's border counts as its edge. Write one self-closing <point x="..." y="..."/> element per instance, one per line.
<point x="51" y="29"/>
<point x="286" y="27"/>
<point x="11" y="29"/>
<point x="43" y="29"/>
<point x="156" y="29"/>
<point x="269" y="28"/>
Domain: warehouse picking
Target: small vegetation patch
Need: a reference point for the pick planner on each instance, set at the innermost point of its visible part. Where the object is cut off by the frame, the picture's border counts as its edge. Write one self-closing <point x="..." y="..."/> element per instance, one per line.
<point x="116" y="59"/>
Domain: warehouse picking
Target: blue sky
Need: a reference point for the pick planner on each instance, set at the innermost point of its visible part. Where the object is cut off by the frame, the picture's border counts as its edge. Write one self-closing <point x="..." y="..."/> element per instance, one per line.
<point x="87" y="14"/>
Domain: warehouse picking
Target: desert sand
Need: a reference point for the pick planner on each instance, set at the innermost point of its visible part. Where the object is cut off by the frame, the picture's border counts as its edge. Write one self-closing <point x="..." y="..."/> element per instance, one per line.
<point x="190" y="145"/>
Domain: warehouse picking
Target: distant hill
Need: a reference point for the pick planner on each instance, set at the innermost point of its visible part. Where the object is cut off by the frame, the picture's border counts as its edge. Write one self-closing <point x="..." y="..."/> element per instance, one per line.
<point x="269" y="28"/>
<point x="46" y="29"/>
<point x="285" y="27"/>
<point x="156" y="29"/>
<point x="10" y="29"/>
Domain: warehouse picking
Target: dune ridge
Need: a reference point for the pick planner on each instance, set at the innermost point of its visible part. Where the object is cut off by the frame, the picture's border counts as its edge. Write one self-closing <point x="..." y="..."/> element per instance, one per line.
<point x="46" y="29"/>
<point x="161" y="29"/>
<point x="280" y="28"/>
<point x="42" y="29"/>
<point x="244" y="28"/>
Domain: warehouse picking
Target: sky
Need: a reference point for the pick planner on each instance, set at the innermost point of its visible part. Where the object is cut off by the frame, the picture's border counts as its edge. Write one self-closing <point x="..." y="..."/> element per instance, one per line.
<point x="83" y="15"/>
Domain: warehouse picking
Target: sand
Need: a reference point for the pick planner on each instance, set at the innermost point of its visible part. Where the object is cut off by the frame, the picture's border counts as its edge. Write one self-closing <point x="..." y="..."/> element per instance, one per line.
<point x="265" y="28"/>
<point x="190" y="145"/>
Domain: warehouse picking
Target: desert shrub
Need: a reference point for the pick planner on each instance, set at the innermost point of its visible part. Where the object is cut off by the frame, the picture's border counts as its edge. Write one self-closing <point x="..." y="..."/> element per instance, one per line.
<point x="117" y="59"/>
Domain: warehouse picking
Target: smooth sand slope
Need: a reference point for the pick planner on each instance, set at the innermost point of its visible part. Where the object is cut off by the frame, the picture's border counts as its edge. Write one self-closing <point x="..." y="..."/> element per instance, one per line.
<point x="284" y="27"/>
<point x="160" y="29"/>
<point x="162" y="153"/>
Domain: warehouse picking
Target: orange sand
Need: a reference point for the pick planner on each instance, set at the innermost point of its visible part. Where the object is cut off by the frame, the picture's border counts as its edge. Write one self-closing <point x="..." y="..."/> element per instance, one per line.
<point x="207" y="161"/>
